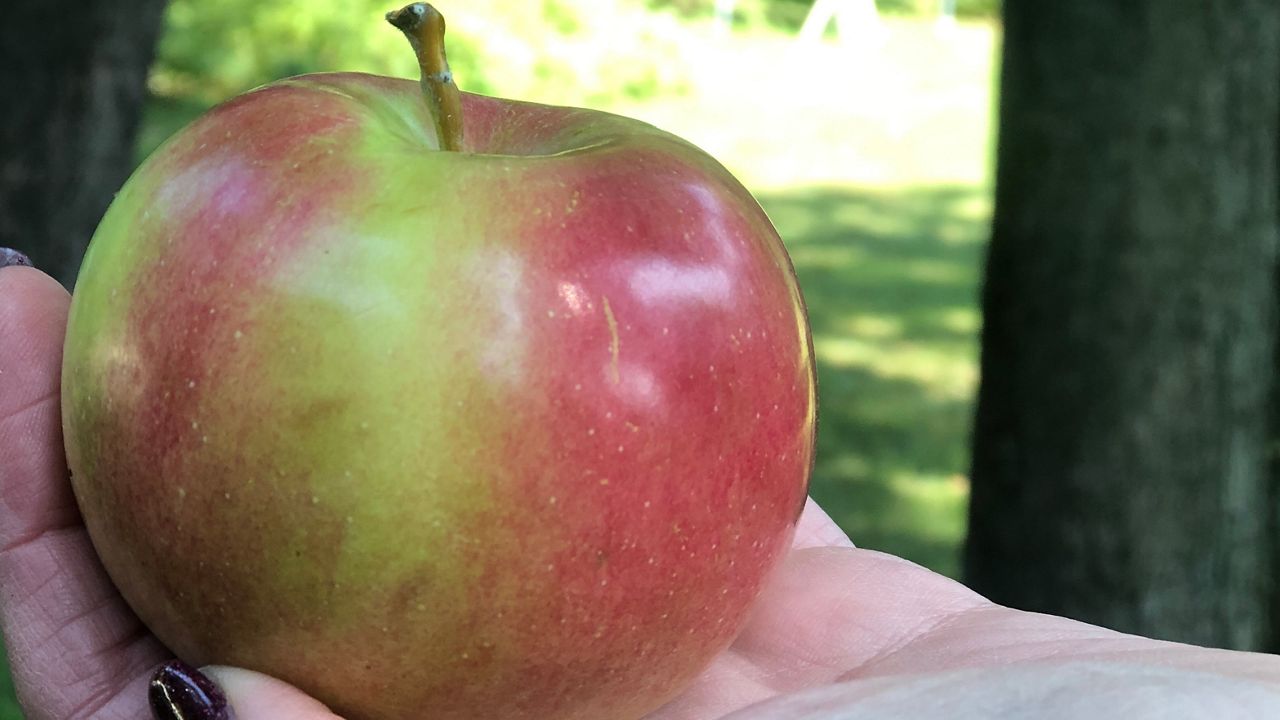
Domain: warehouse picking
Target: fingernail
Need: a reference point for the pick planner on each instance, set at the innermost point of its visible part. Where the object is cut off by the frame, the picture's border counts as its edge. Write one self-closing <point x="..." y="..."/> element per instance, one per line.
<point x="181" y="692"/>
<point x="13" y="257"/>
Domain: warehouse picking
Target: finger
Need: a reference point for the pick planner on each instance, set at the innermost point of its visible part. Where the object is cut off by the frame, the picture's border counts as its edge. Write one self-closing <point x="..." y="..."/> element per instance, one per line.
<point x="75" y="648"/>
<point x="817" y="529"/>
<point x="34" y="494"/>
<point x="180" y="692"/>
<point x="258" y="697"/>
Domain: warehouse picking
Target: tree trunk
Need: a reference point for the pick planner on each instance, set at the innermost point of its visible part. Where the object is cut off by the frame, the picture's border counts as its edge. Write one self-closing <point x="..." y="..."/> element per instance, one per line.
<point x="73" y="77"/>
<point x="1120" y="467"/>
<point x="1273" y="459"/>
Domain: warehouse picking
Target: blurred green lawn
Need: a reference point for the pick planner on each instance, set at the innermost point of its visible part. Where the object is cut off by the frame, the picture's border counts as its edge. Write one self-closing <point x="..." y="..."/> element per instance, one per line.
<point x="890" y="278"/>
<point x="872" y="160"/>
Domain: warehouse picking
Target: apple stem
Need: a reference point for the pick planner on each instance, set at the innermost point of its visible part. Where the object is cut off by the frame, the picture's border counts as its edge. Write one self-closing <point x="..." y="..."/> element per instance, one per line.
<point x="424" y="26"/>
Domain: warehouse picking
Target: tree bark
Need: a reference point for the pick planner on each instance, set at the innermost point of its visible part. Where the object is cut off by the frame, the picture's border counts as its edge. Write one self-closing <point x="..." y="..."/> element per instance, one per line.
<point x="1273" y="460"/>
<point x="1120" y="467"/>
<point x="74" y="80"/>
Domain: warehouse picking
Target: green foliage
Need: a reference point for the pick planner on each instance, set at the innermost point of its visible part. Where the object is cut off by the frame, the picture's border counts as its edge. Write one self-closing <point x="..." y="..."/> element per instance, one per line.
<point x="9" y="709"/>
<point x="785" y="15"/>
<point x="929" y="8"/>
<point x="563" y="51"/>
<point x="789" y="15"/>
<point x="979" y="8"/>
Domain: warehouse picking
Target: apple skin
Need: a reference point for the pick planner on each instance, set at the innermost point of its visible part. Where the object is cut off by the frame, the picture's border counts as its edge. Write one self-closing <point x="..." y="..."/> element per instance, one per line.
<point x="517" y="432"/>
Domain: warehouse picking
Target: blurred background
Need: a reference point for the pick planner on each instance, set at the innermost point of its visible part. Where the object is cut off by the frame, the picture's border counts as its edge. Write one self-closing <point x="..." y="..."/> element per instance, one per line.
<point x="1121" y="454"/>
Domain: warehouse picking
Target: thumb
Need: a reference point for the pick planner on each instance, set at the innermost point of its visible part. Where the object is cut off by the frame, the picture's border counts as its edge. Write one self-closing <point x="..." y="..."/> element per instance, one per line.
<point x="180" y="692"/>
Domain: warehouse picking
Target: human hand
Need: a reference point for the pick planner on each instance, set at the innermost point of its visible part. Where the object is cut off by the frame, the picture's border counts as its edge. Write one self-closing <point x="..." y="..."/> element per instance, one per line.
<point x="848" y="634"/>
<point x="838" y="633"/>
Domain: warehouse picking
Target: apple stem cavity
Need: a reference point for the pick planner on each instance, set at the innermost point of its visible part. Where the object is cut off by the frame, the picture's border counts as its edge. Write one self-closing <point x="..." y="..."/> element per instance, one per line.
<point x="424" y="26"/>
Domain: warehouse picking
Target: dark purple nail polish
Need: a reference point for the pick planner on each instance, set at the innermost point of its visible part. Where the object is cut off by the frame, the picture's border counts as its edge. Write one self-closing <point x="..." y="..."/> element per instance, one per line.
<point x="180" y="692"/>
<point x="13" y="257"/>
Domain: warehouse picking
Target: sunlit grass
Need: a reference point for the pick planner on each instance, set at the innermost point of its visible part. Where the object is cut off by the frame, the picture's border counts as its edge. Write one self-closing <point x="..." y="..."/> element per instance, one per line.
<point x="911" y="108"/>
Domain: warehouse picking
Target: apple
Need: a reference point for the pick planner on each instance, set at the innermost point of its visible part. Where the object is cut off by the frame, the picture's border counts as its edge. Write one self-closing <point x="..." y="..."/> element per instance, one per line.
<point x="437" y="405"/>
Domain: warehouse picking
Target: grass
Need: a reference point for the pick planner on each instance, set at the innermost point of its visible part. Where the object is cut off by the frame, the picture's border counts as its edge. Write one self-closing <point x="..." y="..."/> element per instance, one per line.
<point x="873" y="163"/>
<point x="9" y="709"/>
<point x="890" y="279"/>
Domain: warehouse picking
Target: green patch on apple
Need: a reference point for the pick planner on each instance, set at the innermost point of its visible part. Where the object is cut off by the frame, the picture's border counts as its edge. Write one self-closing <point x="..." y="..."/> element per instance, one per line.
<point x="439" y="405"/>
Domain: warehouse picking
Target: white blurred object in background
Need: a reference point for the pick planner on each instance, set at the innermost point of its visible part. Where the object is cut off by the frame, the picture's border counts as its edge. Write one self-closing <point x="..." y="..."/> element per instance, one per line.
<point x="856" y="20"/>
<point x="724" y="14"/>
<point x="946" y="13"/>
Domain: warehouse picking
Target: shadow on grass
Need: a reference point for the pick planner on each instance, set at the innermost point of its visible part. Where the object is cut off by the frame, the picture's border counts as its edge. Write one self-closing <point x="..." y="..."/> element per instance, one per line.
<point x="891" y="280"/>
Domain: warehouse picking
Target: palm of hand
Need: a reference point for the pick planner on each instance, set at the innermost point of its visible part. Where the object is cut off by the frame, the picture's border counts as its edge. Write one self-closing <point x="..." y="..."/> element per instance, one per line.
<point x="838" y="633"/>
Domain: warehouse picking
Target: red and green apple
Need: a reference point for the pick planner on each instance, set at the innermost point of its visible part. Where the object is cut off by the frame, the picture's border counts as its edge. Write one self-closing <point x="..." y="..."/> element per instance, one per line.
<point x="438" y="405"/>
